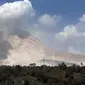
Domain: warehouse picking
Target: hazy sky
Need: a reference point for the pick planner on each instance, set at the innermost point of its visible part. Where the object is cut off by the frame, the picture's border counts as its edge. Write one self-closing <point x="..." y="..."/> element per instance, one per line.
<point x="57" y="23"/>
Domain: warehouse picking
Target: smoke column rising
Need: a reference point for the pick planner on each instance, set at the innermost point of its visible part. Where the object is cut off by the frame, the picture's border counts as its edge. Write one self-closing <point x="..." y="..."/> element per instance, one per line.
<point x="14" y="19"/>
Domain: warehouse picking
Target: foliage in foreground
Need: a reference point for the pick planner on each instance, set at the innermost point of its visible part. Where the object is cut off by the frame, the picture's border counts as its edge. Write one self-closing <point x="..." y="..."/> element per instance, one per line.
<point x="43" y="75"/>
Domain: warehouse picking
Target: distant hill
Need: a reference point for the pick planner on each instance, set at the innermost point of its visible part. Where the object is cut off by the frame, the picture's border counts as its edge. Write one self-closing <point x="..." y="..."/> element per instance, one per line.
<point x="53" y="62"/>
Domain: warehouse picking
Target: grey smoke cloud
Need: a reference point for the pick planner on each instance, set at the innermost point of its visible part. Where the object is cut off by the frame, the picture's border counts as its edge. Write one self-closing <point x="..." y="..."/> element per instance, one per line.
<point x="15" y="16"/>
<point x="14" y="19"/>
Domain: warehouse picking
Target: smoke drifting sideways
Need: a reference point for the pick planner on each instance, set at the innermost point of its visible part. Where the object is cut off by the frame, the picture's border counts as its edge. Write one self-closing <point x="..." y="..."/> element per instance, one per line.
<point x="14" y="19"/>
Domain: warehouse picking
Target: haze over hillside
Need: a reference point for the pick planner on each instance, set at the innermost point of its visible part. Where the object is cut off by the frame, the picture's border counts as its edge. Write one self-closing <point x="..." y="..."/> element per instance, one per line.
<point x="24" y="51"/>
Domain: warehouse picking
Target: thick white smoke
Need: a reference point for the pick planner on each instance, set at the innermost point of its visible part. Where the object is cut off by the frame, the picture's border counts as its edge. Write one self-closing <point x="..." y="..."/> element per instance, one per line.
<point x="15" y="16"/>
<point x="16" y="46"/>
<point x="14" y="19"/>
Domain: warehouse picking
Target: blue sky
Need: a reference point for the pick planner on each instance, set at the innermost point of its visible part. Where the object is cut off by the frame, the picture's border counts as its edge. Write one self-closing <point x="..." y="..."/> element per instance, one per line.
<point x="70" y="9"/>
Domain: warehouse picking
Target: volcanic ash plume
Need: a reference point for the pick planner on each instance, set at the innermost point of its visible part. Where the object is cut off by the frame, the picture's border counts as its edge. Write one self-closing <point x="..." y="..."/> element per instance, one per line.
<point x="24" y="51"/>
<point x="16" y="44"/>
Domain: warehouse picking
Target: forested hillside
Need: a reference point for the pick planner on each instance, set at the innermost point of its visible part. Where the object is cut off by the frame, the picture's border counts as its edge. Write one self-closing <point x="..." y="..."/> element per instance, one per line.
<point x="43" y="75"/>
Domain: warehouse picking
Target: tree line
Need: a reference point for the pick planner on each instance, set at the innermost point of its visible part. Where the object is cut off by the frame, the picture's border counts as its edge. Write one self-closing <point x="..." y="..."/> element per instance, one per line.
<point x="42" y="75"/>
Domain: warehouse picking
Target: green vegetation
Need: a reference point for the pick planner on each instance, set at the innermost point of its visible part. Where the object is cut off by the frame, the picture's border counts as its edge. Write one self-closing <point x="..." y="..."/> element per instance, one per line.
<point x="43" y="75"/>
